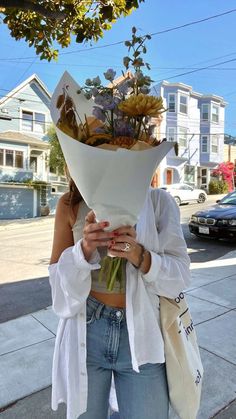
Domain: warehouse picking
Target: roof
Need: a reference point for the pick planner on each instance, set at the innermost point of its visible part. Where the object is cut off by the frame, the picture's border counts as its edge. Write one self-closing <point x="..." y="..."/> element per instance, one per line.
<point x="30" y="79"/>
<point x="16" y="136"/>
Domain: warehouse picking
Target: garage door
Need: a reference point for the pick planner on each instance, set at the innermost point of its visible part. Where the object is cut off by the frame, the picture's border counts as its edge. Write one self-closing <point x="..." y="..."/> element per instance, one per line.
<point x="16" y="203"/>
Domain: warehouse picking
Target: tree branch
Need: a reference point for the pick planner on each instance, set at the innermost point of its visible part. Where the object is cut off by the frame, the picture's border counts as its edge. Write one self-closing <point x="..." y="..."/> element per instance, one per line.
<point x="34" y="7"/>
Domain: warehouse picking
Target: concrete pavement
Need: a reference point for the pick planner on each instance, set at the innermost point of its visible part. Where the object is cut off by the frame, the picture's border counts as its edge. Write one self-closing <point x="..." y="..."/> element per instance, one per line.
<point x="26" y="348"/>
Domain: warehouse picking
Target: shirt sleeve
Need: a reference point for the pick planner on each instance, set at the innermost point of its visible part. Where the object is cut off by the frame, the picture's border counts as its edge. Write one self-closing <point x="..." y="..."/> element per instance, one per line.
<point x="70" y="280"/>
<point x="169" y="273"/>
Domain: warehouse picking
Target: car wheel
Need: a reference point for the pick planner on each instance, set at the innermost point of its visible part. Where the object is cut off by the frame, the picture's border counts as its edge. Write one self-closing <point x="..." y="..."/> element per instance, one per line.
<point x="177" y="200"/>
<point x="201" y="198"/>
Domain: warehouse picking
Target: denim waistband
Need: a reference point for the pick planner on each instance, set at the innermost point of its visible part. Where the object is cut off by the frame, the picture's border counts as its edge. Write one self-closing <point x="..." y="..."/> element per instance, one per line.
<point x="102" y="310"/>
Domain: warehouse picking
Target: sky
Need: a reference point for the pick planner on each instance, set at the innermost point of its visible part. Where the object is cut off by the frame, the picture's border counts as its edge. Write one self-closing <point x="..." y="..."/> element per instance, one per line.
<point x="170" y="54"/>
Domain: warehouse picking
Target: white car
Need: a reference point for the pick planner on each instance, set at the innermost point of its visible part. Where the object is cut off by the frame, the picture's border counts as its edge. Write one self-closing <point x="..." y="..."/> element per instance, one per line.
<point x="185" y="193"/>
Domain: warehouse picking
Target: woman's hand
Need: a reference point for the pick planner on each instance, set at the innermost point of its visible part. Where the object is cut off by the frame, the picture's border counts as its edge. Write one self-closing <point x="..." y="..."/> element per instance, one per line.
<point x="94" y="235"/>
<point x="125" y="245"/>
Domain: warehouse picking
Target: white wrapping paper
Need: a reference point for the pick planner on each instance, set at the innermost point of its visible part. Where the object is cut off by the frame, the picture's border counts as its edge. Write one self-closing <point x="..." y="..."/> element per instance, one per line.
<point x="113" y="183"/>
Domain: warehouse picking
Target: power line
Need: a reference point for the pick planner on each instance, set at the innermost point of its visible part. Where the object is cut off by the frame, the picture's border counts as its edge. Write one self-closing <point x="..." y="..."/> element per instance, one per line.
<point x="196" y="70"/>
<point x="175" y="28"/>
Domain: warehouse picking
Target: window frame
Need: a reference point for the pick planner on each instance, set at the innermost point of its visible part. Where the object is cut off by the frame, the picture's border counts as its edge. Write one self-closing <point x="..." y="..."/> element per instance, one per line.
<point x="183" y="104"/>
<point x="215" y="105"/>
<point x="14" y="151"/>
<point x="174" y="95"/>
<point x="169" y="135"/>
<point x="215" y="145"/>
<point x="208" y="112"/>
<point x="207" y="138"/>
<point x="34" y="112"/>
<point x="186" y="134"/>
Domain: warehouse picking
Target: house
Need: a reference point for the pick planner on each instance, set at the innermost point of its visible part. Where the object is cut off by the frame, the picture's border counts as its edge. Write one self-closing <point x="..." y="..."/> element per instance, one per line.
<point x="27" y="188"/>
<point x="196" y="122"/>
<point x="230" y="149"/>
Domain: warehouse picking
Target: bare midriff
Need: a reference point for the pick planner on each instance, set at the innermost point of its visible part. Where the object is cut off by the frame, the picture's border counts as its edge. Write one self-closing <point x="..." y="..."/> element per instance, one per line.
<point x="113" y="300"/>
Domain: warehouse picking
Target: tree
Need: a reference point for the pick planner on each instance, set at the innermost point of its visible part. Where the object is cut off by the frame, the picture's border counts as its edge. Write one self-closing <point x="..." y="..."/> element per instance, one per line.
<point x="43" y="22"/>
<point x="56" y="157"/>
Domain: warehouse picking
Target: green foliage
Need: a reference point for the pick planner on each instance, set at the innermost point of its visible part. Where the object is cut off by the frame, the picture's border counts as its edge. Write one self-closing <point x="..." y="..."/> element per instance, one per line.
<point x="42" y="23"/>
<point x="217" y="187"/>
<point x="56" y="158"/>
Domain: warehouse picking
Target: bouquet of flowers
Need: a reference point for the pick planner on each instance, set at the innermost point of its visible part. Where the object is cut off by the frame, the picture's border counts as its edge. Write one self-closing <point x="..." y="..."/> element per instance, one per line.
<point x="107" y="134"/>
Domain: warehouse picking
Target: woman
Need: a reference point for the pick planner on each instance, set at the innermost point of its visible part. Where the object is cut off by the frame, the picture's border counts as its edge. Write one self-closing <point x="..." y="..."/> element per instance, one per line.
<point x="122" y="338"/>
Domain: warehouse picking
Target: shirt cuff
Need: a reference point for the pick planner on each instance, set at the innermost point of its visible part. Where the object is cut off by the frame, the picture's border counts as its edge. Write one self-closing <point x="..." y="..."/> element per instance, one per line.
<point x="80" y="260"/>
<point x="155" y="266"/>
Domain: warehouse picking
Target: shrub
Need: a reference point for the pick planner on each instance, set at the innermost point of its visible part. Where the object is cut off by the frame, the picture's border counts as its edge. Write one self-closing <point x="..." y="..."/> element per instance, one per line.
<point x="217" y="187"/>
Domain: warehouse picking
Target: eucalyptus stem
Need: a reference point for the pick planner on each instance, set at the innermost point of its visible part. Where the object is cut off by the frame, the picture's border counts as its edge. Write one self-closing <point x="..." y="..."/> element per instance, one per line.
<point x="139" y="127"/>
<point x="116" y="265"/>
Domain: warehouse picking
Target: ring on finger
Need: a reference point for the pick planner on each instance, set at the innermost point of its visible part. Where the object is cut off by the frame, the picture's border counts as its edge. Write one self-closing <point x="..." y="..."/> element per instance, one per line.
<point x="127" y="247"/>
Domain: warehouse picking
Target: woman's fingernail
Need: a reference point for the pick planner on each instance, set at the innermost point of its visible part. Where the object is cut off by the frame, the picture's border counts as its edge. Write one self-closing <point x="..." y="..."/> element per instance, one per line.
<point x="116" y="233"/>
<point x="105" y="223"/>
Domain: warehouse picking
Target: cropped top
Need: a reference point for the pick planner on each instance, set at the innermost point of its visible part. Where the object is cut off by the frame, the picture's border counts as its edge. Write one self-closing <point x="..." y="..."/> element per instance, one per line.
<point x="77" y="230"/>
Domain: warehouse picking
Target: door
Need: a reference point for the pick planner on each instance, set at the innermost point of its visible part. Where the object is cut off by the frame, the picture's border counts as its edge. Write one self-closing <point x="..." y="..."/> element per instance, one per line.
<point x="169" y="176"/>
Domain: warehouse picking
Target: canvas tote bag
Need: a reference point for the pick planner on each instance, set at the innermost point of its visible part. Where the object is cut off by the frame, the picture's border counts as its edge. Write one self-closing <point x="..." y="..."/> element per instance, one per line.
<point x="183" y="363"/>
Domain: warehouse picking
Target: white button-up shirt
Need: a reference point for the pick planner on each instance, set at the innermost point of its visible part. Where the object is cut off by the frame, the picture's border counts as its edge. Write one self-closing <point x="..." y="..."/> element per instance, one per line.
<point x="159" y="230"/>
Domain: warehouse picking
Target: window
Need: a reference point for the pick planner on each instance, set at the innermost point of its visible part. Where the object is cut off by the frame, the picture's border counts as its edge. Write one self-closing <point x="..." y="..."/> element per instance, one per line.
<point x="183" y="137"/>
<point x="171" y="134"/>
<point x="205" y="112"/>
<point x="27" y="121"/>
<point x="214" y="144"/>
<point x="12" y="158"/>
<point x="189" y="176"/>
<point x="204" y="144"/>
<point x="204" y="177"/>
<point x="19" y="159"/>
<point x="1" y="156"/>
<point x="33" y="121"/>
<point x="39" y="123"/>
<point x="33" y="163"/>
<point x="9" y="158"/>
<point x="215" y="110"/>
<point x="183" y="104"/>
<point x="171" y="102"/>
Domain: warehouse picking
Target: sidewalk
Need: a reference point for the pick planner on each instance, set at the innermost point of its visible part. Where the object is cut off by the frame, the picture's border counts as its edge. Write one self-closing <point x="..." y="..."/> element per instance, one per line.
<point x="26" y="348"/>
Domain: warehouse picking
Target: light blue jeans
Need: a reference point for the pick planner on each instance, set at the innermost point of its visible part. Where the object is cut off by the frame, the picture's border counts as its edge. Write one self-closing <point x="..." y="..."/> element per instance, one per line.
<point x="139" y="395"/>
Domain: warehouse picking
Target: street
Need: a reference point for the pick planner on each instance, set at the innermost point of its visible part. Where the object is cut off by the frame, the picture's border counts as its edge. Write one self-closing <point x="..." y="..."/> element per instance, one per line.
<point x="25" y="254"/>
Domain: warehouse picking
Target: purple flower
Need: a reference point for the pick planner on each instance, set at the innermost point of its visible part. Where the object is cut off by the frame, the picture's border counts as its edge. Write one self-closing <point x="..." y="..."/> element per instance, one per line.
<point x="123" y="128"/>
<point x="96" y="81"/>
<point x="99" y="113"/>
<point x="94" y="91"/>
<point x="107" y="102"/>
<point x="123" y="88"/>
<point x="110" y="74"/>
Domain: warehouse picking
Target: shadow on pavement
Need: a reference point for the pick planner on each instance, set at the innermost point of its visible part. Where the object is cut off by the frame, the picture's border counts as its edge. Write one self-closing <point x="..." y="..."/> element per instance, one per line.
<point x="24" y="297"/>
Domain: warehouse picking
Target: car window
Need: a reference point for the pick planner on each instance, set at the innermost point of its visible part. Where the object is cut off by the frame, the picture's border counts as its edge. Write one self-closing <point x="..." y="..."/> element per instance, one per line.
<point x="229" y="199"/>
<point x="186" y="188"/>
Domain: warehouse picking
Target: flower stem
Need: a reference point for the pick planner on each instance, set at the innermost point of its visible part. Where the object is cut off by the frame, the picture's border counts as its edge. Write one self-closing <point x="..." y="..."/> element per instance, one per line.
<point x="116" y="265"/>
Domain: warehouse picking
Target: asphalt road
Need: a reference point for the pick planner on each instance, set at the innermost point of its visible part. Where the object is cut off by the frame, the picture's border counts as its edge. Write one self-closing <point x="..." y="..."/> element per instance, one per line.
<point x="25" y="253"/>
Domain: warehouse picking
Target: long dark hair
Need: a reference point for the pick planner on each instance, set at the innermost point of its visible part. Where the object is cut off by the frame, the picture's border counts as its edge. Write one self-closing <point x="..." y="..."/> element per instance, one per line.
<point x="74" y="195"/>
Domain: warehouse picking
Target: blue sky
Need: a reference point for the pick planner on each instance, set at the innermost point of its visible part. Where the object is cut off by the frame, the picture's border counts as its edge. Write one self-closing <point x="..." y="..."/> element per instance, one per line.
<point x="169" y="54"/>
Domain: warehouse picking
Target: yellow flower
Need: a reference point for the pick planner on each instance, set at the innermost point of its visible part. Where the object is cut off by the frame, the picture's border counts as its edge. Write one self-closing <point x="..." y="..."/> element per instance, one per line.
<point x="142" y="105"/>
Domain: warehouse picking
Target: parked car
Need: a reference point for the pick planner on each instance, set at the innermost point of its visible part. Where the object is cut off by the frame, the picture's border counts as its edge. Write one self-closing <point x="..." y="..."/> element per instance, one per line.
<point x="218" y="221"/>
<point x="183" y="193"/>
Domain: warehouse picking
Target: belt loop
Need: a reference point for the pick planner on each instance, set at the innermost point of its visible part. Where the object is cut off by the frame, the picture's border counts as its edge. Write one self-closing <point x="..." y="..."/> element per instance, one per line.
<point x="99" y="311"/>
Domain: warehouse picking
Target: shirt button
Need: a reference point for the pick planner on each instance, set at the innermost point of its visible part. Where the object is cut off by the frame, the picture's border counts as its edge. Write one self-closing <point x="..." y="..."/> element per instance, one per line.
<point x="83" y="373"/>
<point x="81" y="314"/>
<point x="118" y="314"/>
<point x="82" y="345"/>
